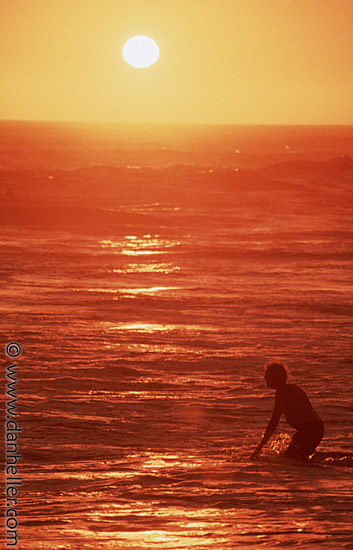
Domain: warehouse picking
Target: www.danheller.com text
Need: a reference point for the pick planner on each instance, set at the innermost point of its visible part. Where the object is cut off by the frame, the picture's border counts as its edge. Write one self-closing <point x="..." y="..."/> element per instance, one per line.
<point x="13" y="481"/>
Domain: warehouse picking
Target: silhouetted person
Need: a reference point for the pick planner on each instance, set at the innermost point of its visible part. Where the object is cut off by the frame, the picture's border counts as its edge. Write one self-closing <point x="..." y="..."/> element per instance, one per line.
<point x="293" y="402"/>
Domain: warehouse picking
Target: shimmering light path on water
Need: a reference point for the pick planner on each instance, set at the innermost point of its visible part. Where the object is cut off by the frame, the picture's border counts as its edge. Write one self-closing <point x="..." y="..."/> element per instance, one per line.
<point x="184" y="501"/>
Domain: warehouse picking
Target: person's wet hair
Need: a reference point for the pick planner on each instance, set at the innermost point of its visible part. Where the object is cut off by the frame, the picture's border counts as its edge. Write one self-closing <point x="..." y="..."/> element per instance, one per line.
<point x="277" y="371"/>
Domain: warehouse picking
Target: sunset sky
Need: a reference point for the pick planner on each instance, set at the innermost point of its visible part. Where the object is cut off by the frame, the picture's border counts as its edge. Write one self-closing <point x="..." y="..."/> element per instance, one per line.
<point x="221" y="61"/>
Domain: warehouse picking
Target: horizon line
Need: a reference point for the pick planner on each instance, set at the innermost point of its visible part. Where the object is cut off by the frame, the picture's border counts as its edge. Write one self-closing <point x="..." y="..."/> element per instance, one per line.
<point x="168" y="123"/>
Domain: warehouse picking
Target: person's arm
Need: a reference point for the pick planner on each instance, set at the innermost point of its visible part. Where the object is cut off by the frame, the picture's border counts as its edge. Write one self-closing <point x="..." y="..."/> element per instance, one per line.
<point x="270" y="430"/>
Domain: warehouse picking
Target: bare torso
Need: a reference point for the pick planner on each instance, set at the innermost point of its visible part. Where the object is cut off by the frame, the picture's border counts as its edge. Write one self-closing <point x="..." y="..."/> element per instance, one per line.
<point x="293" y="402"/>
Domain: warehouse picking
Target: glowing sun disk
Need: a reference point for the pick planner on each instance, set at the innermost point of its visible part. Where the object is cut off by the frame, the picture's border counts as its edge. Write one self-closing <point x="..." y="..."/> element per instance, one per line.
<point x="140" y="51"/>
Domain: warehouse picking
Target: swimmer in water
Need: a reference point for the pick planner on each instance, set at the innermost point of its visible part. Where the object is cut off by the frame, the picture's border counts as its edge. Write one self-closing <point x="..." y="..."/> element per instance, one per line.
<point x="293" y="402"/>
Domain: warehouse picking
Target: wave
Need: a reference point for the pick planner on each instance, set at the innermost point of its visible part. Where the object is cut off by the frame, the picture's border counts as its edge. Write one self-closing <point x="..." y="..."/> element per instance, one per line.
<point x="71" y="218"/>
<point x="100" y="179"/>
<point x="109" y="199"/>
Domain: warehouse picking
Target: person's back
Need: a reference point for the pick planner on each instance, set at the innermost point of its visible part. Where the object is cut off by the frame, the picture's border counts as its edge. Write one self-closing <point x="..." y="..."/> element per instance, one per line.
<point x="295" y="405"/>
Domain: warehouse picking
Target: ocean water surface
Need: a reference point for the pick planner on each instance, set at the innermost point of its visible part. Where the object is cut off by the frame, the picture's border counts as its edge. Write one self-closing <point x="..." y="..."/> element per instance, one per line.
<point x="148" y="276"/>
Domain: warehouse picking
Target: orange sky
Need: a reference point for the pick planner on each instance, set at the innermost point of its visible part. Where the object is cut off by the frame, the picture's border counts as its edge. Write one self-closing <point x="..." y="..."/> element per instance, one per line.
<point x="222" y="61"/>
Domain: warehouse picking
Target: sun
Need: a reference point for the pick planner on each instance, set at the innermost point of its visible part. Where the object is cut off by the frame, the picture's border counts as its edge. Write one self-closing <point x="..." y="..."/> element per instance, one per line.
<point x="140" y="51"/>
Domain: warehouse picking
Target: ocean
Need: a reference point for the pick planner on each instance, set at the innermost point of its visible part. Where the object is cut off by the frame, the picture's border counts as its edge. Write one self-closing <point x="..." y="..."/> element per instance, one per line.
<point x="148" y="274"/>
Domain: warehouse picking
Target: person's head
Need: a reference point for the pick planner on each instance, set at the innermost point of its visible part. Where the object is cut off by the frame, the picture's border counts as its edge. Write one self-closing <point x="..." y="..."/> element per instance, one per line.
<point x="276" y="374"/>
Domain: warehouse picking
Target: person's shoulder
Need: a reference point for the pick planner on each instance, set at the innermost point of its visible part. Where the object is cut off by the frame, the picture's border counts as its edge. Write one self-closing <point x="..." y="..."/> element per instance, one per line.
<point x="288" y="388"/>
<point x="294" y="388"/>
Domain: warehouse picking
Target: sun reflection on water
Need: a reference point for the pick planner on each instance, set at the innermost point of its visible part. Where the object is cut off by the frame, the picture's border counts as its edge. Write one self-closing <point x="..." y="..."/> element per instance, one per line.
<point x="165" y="268"/>
<point x="157" y="461"/>
<point x="157" y="327"/>
<point x="131" y="291"/>
<point x="129" y="252"/>
<point x="152" y="289"/>
<point x="132" y="245"/>
<point x="145" y="506"/>
<point x="143" y="327"/>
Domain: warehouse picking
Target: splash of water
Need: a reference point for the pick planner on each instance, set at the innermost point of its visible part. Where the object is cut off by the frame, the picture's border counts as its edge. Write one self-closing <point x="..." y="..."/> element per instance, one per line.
<point x="279" y="443"/>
